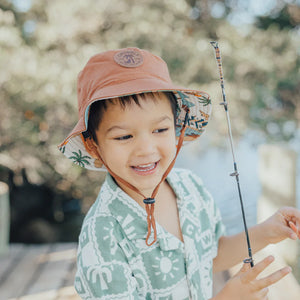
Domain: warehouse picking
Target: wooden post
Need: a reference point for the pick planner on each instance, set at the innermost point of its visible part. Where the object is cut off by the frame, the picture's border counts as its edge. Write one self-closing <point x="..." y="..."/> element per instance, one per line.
<point x="4" y="218"/>
<point x="277" y="174"/>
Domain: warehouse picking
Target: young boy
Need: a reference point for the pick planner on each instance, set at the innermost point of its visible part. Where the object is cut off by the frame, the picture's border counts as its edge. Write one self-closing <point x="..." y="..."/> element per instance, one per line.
<point x="132" y="123"/>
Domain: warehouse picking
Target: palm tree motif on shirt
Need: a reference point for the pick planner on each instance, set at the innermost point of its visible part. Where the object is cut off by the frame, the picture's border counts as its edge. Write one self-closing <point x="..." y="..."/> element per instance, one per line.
<point x="165" y="266"/>
<point x="79" y="159"/>
<point x="100" y="275"/>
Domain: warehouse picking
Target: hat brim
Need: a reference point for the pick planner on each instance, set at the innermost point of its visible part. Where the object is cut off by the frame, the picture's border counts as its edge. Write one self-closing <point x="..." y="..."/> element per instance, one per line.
<point x="198" y="103"/>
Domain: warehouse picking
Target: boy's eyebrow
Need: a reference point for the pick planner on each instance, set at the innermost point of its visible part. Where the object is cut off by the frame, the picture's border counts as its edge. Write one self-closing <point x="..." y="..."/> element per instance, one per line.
<point x="115" y="127"/>
<point x="162" y="119"/>
<point x="159" y="120"/>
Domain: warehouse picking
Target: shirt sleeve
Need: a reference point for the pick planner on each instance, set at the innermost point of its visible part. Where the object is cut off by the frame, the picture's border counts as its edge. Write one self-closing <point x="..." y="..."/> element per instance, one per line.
<point x="102" y="268"/>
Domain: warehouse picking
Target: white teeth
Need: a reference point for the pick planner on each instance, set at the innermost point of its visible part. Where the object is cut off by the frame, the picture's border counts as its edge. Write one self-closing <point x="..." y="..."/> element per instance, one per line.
<point x="145" y="168"/>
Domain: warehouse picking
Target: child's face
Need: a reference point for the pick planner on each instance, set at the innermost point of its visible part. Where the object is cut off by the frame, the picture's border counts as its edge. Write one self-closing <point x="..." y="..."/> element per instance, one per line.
<point x="138" y="142"/>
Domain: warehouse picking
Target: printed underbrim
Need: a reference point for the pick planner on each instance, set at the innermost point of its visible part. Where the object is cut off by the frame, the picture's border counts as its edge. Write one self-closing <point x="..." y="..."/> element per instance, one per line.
<point x="198" y="103"/>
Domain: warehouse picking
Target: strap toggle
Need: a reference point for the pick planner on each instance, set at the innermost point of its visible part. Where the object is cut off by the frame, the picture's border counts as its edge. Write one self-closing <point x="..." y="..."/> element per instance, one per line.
<point x="149" y="200"/>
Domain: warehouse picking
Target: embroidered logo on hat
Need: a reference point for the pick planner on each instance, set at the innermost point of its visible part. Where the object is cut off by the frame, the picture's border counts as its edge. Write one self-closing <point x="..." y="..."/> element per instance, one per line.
<point x="129" y="58"/>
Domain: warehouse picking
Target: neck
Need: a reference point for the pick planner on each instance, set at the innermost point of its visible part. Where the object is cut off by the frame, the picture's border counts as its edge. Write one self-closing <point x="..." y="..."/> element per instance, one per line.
<point x="138" y="198"/>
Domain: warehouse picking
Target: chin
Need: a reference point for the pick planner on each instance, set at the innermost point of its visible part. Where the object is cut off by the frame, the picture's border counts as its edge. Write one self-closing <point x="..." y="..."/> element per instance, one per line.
<point x="147" y="188"/>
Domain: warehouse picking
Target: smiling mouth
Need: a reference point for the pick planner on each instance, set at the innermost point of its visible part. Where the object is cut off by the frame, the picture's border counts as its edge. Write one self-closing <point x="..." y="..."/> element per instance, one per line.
<point x="146" y="169"/>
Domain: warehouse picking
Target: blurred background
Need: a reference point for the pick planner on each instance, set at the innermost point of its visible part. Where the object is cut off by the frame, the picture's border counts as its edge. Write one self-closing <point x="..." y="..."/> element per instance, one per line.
<point x="43" y="46"/>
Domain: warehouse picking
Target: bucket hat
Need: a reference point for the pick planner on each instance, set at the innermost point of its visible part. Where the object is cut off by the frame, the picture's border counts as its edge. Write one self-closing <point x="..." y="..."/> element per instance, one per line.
<point x="125" y="72"/>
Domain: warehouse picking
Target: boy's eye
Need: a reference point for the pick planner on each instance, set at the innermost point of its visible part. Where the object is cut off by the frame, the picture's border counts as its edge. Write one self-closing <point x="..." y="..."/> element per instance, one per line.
<point x="124" y="137"/>
<point x="161" y="130"/>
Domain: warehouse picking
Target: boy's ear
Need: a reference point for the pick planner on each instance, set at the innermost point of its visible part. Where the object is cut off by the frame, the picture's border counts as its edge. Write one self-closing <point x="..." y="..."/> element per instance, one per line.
<point x="98" y="163"/>
<point x="94" y="144"/>
<point x="93" y="149"/>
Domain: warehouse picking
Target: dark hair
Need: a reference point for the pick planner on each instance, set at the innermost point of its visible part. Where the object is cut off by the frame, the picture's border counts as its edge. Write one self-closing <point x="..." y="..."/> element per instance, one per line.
<point x="99" y="107"/>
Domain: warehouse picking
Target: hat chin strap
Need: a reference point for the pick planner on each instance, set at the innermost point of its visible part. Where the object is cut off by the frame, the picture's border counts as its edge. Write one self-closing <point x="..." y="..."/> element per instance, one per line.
<point x="149" y="202"/>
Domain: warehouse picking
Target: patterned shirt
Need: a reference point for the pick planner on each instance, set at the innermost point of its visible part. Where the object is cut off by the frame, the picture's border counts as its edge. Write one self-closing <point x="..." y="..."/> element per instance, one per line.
<point x="114" y="261"/>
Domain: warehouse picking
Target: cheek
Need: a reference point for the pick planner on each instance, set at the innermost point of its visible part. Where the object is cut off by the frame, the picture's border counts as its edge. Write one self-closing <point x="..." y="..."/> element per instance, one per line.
<point x="169" y="145"/>
<point x="109" y="153"/>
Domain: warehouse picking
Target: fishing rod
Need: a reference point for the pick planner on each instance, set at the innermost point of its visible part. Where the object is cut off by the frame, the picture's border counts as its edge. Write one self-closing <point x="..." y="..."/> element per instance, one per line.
<point x="235" y="173"/>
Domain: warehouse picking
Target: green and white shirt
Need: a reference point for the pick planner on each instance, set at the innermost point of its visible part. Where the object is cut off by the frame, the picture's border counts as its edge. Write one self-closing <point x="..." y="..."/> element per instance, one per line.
<point x="114" y="261"/>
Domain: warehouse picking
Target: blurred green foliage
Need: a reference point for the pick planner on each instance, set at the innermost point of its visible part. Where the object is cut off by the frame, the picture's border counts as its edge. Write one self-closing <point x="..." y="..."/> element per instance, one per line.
<point x="44" y="47"/>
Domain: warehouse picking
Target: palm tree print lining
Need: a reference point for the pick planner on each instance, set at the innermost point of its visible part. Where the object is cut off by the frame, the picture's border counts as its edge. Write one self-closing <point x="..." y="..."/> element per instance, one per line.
<point x="204" y="100"/>
<point x="79" y="159"/>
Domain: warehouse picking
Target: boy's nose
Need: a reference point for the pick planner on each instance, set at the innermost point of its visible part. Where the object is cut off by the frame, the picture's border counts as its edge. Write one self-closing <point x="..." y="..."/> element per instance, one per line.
<point x="145" y="146"/>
